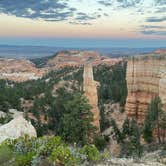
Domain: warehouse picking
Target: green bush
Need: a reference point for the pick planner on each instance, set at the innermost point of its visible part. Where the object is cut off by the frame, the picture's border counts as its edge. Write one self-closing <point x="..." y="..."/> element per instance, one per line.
<point x="6" y="154"/>
<point x="91" y="152"/>
<point x="61" y="155"/>
<point x="24" y="160"/>
<point x="101" y="142"/>
<point x="27" y="151"/>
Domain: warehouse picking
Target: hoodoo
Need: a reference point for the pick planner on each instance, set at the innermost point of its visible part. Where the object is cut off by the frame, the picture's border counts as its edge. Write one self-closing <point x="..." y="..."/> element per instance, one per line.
<point x="90" y="91"/>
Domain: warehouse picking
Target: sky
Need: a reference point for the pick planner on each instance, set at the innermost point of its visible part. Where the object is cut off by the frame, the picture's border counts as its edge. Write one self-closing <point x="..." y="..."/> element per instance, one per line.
<point x="93" y="23"/>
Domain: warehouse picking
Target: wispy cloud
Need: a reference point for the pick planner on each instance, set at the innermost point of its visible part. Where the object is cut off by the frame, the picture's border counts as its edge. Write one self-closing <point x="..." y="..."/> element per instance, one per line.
<point x="153" y="32"/>
<point x="105" y="2"/>
<point x="156" y="19"/>
<point x="152" y="27"/>
<point x="160" y="2"/>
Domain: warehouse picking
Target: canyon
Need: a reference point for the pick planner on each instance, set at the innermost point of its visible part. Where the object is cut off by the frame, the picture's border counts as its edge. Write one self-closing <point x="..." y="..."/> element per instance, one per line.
<point x="20" y="70"/>
<point x="146" y="78"/>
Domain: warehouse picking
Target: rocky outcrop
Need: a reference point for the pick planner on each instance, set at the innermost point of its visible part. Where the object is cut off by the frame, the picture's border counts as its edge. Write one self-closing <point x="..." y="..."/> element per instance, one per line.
<point x="79" y="58"/>
<point x="19" y="70"/>
<point x="16" y="128"/>
<point x="146" y="78"/>
<point x="90" y="91"/>
<point x="160" y="51"/>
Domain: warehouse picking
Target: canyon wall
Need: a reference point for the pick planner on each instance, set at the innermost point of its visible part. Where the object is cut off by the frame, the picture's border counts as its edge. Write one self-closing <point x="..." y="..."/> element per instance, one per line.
<point x="19" y="70"/>
<point x="90" y="91"/>
<point x="146" y="78"/>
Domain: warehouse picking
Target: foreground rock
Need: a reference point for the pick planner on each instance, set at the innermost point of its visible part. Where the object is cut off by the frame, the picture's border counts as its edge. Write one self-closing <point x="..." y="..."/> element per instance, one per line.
<point x="16" y="128"/>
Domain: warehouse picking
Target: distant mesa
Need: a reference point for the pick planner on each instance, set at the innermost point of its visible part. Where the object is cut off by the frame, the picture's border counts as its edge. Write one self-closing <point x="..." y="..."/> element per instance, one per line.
<point x="160" y="51"/>
<point x="20" y="70"/>
<point x="79" y="58"/>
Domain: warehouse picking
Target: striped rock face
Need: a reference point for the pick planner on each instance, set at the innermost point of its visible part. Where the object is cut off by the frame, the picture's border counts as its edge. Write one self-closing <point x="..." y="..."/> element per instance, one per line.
<point x="146" y="78"/>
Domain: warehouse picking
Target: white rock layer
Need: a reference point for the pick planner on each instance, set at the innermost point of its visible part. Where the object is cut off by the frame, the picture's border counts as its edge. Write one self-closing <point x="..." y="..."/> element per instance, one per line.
<point x="16" y="128"/>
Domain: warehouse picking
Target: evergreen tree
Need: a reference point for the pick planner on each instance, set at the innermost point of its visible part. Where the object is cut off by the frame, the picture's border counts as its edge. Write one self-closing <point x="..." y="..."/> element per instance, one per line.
<point x="76" y="122"/>
<point x="152" y="120"/>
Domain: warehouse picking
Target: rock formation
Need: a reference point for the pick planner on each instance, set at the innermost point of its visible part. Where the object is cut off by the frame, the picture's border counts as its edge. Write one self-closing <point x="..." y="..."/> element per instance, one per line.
<point x="19" y="70"/>
<point x="79" y="58"/>
<point x="16" y="128"/>
<point x="160" y="51"/>
<point x="146" y="78"/>
<point x="90" y="91"/>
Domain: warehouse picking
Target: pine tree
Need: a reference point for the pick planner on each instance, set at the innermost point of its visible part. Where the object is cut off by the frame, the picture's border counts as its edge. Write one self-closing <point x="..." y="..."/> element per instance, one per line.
<point x="152" y="120"/>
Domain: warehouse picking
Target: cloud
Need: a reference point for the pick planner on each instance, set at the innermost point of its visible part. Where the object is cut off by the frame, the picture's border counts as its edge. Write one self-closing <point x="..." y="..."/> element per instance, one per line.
<point x="83" y="16"/>
<point x="128" y="3"/>
<point x="120" y="3"/>
<point x="153" y="32"/>
<point x="156" y="19"/>
<point x="152" y="27"/>
<point x="79" y="23"/>
<point x="48" y="10"/>
<point x="160" y="2"/>
<point x="161" y="10"/>
<point x="105" y="2"/>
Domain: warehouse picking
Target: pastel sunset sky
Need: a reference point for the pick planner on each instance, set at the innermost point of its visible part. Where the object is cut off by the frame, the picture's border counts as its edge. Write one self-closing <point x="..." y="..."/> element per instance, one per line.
<point x="72" y="22"/>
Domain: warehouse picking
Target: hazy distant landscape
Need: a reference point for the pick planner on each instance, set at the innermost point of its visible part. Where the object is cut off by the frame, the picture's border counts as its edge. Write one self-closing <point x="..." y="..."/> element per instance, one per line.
<point x="29" y="52"/>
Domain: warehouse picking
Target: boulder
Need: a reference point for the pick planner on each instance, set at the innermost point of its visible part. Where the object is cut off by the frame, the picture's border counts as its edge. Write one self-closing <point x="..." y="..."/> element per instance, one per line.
<point x="16" y="128"/>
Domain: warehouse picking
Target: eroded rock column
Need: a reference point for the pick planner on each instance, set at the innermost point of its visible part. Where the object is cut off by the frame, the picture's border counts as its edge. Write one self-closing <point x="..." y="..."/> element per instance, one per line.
<point x="90" y="91"/>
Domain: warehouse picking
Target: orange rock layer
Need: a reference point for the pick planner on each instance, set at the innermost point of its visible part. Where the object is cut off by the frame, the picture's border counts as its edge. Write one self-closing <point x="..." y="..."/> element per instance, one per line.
<point x="19" y="70"/>
<point x="146" y="78"/>
<point x="90" y="91"/>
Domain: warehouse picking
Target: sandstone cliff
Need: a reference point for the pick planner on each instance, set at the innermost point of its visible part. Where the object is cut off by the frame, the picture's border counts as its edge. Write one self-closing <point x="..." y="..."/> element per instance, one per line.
<point x="90" y="91"/>
<point x="146" y="78"/>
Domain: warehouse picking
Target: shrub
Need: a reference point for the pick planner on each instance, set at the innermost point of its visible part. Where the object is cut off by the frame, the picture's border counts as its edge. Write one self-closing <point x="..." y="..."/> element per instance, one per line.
<point x="101" y="142"/>
<point x="24" y="160"/>
<point x="26" y="151"/>
<point x="91" y="151"/>
<point x="61" y="155"/>
<point x="6" y="155"/>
